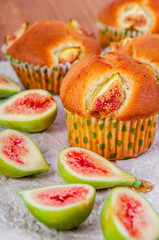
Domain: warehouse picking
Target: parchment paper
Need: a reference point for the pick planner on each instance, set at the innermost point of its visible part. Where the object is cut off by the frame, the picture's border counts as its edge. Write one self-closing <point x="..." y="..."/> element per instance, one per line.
<point x="16" y="223"/>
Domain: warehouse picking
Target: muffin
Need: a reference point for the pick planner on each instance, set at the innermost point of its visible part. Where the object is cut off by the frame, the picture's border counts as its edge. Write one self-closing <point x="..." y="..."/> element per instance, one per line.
<point x="127" y="18"/>
<point x="143" y="48"/>
<point x="44" y="52"/>
<point x="111" y="105"/>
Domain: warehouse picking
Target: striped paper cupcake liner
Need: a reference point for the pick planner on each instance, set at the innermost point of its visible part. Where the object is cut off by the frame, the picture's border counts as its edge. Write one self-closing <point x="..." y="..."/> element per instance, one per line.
<point x="108" y="34"/>
<point x="111" y="138"/>
<point x="34" y="76"/>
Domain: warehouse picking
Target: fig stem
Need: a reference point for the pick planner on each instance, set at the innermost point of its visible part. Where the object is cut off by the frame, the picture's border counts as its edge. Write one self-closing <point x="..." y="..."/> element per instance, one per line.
<point x="137" y="183"/>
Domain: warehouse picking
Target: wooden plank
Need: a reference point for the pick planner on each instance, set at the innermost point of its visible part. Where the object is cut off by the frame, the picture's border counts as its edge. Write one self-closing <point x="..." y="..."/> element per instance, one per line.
<point x="14" y="12"/>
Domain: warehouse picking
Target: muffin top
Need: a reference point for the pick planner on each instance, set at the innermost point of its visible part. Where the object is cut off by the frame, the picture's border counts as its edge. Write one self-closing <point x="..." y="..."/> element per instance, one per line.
<point x="144" y="48"/>
<point x="138" y="15"/>
<point x="51" y="42"/>
<point x="110" y="86"/>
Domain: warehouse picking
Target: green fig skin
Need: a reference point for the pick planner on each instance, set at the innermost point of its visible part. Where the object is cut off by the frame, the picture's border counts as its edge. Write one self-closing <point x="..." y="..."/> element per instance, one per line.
<point x="9" y="170"/>
<point x="5" y="92"/>
<point x="110" y="229"/>
<point x="32" y="126"/>
<point x="125" y="178"/>
<point x="62" y="219"/>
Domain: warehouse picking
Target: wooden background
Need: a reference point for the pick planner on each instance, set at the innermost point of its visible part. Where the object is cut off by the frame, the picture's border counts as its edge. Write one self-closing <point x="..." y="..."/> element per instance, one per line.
<point x="14" y="12"/>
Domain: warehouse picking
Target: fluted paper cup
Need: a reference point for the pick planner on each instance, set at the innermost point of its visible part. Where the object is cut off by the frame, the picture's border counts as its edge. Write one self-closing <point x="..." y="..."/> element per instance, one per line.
<point x="34" y="76"/>
<point x="108" y="34"/>
<point x="111" y="138"/>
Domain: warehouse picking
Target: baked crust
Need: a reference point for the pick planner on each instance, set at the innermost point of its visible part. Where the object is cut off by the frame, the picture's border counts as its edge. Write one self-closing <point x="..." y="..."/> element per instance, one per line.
<point x="36" y="45"/>
<point x="144" y="48"/>
<point x="109" y="13"/>
<point x="82" y="81"/>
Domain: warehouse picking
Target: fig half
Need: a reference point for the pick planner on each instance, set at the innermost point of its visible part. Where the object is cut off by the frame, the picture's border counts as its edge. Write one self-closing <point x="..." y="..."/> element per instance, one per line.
<point x="7" y="87"/>
<point x="29" y="111"/>
<point x="62" y="207"/>
<point x="19" y="155"/>
<point x="126" y="215"/>
<point x="78" y="165"/>
<point x="75" y="25"/>
<point x="69" y="55"/>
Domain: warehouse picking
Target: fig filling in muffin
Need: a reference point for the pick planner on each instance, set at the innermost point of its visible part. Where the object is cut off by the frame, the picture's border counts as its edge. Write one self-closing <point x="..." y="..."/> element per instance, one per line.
<point x="108" y="98"/>
<point x="135" y="17"/>
<point x="70" y="52"/>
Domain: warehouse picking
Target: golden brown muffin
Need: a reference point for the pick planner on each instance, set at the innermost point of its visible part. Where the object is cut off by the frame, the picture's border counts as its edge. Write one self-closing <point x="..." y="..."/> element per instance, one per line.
<point x="45" y="40"/>
<point x="121" y="18"/>
<point x="76" y="94"/>
<point x="145" y="49"/>
<point x="111" y="104"/>
<point x="49" y="45"/>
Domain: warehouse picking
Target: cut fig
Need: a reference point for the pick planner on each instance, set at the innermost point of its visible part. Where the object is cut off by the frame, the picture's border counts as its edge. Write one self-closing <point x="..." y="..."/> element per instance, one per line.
<point x="62" y="207"/>
<point x="75" y="25"/>
<point x="29" y="111"/>
<point x="69" y="55"/>
<point x="136" y="21"/>
<point x="135" y="18"/>
<point x="7" y="87"/>
<point x="9" y="39"/>
<point x="109" y="97"/>
<point x="126" y="215"/>
<point x="19" y="155"/>
<point x="78" y="165"/>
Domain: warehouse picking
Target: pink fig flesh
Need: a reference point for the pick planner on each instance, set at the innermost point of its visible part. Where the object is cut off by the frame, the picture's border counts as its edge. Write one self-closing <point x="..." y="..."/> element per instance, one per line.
<point x="61" y="197"/>
<point x="14" y="148"/>
<point x="31" y="103"/>
<point x="84" y="163"/>
<point x="130" y="211"/>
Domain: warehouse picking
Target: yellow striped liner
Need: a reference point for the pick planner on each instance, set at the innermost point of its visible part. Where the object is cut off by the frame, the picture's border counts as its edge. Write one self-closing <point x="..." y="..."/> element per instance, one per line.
<point x="111" y="138"/>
